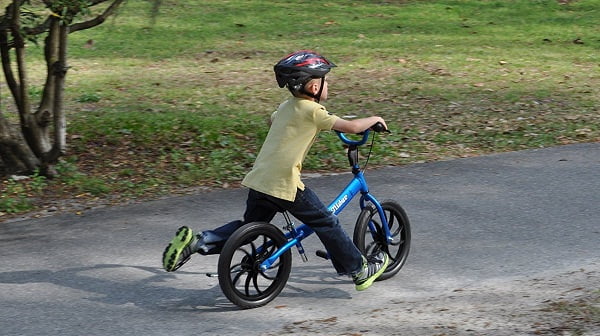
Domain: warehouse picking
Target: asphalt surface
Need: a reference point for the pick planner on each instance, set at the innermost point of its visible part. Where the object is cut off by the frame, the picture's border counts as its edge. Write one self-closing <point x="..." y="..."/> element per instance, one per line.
<point x="475" y="221"/>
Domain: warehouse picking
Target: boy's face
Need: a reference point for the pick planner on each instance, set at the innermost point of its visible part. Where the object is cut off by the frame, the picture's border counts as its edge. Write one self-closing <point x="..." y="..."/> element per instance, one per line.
<point x="314" y="85"/>
<point x="324" y="92"/>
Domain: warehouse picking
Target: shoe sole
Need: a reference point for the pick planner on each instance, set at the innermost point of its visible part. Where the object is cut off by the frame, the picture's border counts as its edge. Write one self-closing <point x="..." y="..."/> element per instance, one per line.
<point x="172" y="252"/>
<point x="372" y="279"/>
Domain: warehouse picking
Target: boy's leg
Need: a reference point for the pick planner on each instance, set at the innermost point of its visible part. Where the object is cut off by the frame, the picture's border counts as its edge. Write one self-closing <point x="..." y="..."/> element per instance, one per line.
<point x="345" y="256"/>
<point x="212" y="241"/>
<point x="185" y="243"/>
<point x="309" y="209"/>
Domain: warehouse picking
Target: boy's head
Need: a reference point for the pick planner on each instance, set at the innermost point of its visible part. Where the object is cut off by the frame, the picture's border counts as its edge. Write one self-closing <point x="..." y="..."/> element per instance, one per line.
<point x="300" y="68"/>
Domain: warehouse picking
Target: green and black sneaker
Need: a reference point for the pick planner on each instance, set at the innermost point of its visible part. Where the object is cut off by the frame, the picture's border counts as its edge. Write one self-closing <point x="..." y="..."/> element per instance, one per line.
<point x="180" y="249"/>
<point x="373" y="267"/>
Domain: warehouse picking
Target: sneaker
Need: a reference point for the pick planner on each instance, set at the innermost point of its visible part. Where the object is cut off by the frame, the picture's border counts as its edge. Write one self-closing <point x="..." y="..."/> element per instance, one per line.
<point x="180" y="249"/>
<point x="373" y="267"/>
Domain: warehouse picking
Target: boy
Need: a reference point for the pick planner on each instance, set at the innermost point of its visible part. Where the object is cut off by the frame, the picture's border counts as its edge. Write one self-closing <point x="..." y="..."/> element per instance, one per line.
<point x="275" y="176"/>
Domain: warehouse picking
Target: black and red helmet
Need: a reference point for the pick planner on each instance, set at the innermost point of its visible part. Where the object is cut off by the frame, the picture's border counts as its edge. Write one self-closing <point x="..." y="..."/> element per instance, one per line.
<point x="297" y="68"/>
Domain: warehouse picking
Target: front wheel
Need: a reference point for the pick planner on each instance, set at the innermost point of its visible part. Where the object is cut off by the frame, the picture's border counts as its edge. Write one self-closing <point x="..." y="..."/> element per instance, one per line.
<point x="240" y="277"/>
<point x="369" y="235"/>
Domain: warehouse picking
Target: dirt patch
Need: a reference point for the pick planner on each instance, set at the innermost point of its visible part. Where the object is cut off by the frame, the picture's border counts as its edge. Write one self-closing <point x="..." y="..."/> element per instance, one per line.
<point x="562" y="304"/>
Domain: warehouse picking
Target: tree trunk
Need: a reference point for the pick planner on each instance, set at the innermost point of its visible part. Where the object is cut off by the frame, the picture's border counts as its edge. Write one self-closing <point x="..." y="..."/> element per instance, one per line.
<point x="51" y="106"/>
<point x="59" y="73"/>
<point x="15" y="156"/>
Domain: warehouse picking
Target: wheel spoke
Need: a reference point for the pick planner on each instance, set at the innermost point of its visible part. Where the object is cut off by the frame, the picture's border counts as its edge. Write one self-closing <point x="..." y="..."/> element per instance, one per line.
<point x="378" y="234"/>
<point x="371" y="248"/>
<point x="237" y="276"/>
<point x="273" y="269"/>
<point x="255" y="282"/>
<point x="236" y="268"/>
<point x="247" y="255"/>
<point x="247" y="283"/>
<point x="398" y="239"/>
<point x="394" y="229"/>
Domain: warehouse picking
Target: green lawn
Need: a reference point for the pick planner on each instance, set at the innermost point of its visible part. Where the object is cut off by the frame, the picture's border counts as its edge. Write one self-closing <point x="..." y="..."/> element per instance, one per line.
<point x="156" y="107"/>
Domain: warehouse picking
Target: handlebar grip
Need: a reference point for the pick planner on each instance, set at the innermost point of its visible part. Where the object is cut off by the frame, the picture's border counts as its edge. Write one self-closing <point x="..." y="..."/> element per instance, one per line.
<point x="378" y="127"/>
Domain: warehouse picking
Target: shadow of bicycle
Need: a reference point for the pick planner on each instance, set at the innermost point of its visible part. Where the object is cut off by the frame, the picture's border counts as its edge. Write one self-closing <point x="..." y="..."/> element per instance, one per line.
<point x="153" y="289"/>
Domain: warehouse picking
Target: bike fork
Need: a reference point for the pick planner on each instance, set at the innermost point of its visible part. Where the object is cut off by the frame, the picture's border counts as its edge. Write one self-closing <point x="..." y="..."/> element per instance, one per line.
<point x="291" y="227"/>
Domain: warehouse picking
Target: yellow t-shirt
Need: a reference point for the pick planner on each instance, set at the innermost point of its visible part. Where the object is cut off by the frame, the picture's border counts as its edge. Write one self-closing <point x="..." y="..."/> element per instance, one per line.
<point x="294" y="128"/>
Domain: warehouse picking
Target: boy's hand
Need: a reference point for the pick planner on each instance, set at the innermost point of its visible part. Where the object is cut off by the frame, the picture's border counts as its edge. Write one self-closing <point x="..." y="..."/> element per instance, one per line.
<point x="380" y="127"/>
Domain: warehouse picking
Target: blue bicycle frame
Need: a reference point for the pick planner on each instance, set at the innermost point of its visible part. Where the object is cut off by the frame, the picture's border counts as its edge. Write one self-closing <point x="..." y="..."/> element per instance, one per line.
<point x="358" y="184"/>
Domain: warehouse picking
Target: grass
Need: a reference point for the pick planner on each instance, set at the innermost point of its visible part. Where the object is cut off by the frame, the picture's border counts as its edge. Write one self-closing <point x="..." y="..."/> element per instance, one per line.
<point x="16" y="196"/>
<point x="182" y="102"/>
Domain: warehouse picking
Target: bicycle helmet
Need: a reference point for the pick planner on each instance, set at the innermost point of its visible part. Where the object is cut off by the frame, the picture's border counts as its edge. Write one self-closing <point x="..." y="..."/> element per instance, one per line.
<point x="297" y="68"/>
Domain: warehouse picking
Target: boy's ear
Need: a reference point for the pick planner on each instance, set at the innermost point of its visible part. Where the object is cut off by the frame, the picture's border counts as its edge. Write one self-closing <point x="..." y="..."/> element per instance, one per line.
<point x="313" y="88"/>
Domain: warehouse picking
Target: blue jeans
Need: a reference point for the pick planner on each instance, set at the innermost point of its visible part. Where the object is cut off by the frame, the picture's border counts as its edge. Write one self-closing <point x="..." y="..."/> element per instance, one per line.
<point x="308" y="208"/>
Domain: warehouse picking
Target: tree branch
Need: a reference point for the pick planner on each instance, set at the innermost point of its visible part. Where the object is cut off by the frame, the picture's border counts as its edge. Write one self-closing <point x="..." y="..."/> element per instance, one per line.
<point x="98" y="19"/>
<point x="6" y="66"/>
<point x="39" y="29"/>
<point x="45" y="26"/>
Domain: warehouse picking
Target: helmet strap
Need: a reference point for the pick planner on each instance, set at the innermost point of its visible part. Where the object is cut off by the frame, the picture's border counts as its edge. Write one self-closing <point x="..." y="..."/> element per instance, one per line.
<point x="317" y="96"/>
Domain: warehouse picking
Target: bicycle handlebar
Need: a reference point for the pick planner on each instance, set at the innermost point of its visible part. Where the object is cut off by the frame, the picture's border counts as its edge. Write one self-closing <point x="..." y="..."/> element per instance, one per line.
<point x="378" y="127"/>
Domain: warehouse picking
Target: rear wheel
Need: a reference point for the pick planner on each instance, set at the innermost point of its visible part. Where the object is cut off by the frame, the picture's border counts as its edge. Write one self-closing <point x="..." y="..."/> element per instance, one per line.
<point x="240" y="277"/>
<point x="369" y="236"/>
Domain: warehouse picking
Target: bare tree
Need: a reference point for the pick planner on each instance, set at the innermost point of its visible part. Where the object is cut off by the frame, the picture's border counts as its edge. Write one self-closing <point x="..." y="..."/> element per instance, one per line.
<point x="41" y="138"/>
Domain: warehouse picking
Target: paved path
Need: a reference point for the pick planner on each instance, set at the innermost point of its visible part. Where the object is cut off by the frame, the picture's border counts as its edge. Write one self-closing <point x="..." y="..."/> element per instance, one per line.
<point x="484" y="229"/>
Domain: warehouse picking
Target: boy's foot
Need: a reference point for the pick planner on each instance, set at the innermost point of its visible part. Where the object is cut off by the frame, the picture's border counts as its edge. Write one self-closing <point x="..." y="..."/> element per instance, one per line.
<point x="179" y="250"/>
<point x="373" y="267"/>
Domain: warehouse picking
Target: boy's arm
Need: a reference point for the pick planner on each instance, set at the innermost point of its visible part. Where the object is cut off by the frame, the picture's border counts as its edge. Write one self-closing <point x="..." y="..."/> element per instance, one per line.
<point x="357" y="125"/>
<point x="271" y="118"/>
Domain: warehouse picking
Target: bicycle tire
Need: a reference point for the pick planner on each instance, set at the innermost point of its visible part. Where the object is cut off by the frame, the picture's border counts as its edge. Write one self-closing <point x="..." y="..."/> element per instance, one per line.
<point x="369" y="242"/>
<point x="240" y="277"/>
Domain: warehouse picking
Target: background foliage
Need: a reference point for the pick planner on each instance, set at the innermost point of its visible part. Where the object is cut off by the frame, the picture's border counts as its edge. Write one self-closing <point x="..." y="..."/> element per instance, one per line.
<point x="166" y="105"/>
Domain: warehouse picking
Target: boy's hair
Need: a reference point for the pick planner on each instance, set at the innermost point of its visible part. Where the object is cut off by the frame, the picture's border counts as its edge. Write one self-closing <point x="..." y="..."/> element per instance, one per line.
<point x="297" y="69"/>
